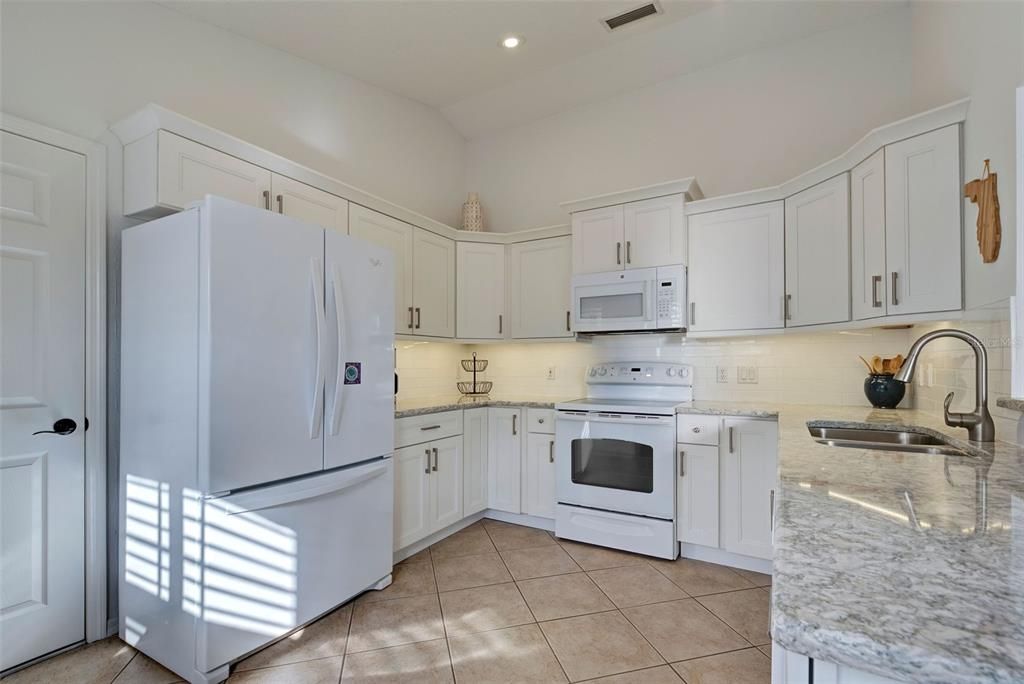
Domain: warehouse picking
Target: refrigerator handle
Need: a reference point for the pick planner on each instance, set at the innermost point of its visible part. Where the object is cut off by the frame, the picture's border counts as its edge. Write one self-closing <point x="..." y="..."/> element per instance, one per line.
<point x="316" y="271"/>
<point x="339" y="380"/>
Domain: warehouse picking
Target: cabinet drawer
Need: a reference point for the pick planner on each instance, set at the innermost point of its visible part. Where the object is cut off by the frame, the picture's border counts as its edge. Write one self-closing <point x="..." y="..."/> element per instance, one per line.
<point x="425" y="428"/>
<point x="697" y="429"/>
<point x="540" y="420"/>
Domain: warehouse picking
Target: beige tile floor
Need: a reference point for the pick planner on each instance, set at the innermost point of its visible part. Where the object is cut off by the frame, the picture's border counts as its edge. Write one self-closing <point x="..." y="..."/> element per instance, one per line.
<point x="503" y="603"/>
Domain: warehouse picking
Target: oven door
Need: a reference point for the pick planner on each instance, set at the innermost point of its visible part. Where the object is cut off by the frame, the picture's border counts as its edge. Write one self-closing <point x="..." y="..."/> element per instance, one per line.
<point x="616" y="462"/>
<point x="615" y="301"/>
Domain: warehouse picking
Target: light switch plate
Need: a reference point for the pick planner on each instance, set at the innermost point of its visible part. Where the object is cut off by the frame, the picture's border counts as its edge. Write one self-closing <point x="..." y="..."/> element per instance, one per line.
<point x="746" y="375"/>
<point x="551" y="373"/>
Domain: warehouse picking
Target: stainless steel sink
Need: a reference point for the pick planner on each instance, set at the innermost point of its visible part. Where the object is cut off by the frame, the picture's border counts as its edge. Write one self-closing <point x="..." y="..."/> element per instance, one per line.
<point x="885" y="440"/>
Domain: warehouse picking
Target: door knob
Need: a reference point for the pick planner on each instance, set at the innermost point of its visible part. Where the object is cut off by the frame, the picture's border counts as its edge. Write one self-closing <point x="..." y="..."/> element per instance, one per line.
<point x="62" y="426"/>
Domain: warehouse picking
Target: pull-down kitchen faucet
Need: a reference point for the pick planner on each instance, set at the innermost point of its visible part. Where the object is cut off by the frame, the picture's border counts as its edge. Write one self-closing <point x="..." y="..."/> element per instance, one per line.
<point x="978" y="422"/>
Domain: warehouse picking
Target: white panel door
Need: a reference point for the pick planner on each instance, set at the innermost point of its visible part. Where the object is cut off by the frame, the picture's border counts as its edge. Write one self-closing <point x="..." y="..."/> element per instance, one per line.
<point x="737" y="266"/>
<point x="372" y="226"/>
<point x="698" y="494"/>
<point x="749" y="451"/>
<point x="504" y="458"/>
<point x="309" y="204"/>
<point x="412" y="494"/>
<point x="474" y="455"/>
<point x="923" y="238"/>
<point x="539" y="275"/>
<point x="445" y="482"/>
<point x="187" y="171"/>
<point x="818" y="254"/>
<point x="433" y="284"/>
<point x="867" y="237"/>
<point x="359" y="363"/>
<point x="42" y="377"/>
<point x="481" y="291"/>
<point x="264" y="398"/>
<point x="597" y="237"/>
<point x="655" y="232"/>
<point x="539" y="476"/>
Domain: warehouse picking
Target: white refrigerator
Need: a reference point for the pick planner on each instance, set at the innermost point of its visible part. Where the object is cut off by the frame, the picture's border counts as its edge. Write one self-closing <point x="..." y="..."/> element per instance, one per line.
<point x="257" y="425"/>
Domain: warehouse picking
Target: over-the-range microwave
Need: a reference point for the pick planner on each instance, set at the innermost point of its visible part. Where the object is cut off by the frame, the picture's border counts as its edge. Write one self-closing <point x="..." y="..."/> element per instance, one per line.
<point x="634" y="300"/>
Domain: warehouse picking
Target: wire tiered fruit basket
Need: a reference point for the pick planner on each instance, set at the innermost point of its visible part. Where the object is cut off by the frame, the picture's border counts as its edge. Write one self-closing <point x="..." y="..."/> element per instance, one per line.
<point x="475" y="366"/>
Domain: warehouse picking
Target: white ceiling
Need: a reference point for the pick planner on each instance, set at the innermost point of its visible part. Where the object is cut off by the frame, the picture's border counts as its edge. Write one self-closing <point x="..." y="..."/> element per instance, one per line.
<point x="445" y="53"/>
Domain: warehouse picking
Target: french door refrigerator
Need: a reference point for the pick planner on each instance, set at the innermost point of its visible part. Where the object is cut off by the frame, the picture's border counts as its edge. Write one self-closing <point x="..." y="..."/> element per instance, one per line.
<point x="256" y="484"/>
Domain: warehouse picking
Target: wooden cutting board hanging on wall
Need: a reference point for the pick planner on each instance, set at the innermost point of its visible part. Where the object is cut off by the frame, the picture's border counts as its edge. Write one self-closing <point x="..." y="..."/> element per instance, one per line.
<point x="982" y="191"/>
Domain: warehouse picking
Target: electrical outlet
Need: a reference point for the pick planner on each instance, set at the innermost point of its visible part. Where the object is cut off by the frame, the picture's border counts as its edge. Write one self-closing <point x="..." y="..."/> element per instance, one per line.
<point x="551" y="373"/>
<point x="722" y="373"/>
<point x="746" y="375"/>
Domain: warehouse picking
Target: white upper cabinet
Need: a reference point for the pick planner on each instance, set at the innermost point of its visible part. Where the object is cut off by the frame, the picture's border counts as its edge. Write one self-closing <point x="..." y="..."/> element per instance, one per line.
<point x="396" y="235"/>
<point x="654" y="232"/>
<point x="818" y="254"/>
<point x="433" y="284"/>
<point x="923" y="238"/>
<point x="164" y="172"/>
<point x="597" y="237"/>
<point x="306" y="203"/>
<point x="480" y="298"/>
<point x="736" y="268"/>
<point x="867" y="237"/>
<point x="539" y="273"/>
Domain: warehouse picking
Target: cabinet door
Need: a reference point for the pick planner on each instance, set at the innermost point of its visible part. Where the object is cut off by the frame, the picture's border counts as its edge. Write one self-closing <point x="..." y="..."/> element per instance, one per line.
<point x="396" y="235"/>
<point x="597" y="237"/>
<point x="480" y="299"/>
<point x="309" y="204"/>
<point x="412" y="494"/>
<point x="655" y="233"/>
<point x="818" y="254"/>
<point x="474" y="459"/>
<point x="539" y="274"/>
<point x="923" y="242"/>
<point x="445" y="482"/>
<point x="539" y="480"/>
<point x="867" y="237"/>
<point x="187" y="171"/>
<point x="736" y="271"/>
<point x="698" y="494"/>
<point x="504" y="458"/>
<point x="749" y="451"/>
<point x="433" y="284"/>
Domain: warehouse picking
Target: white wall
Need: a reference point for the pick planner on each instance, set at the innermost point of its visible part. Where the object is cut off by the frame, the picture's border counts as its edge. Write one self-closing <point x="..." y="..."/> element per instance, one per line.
<point x="79" y="66"/>
<point x="754" y="121"/>
<point x="976" y="50"/>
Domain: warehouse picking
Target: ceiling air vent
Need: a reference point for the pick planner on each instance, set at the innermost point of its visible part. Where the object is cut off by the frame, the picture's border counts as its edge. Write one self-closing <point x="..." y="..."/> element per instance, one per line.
<point x="620" y="20"/>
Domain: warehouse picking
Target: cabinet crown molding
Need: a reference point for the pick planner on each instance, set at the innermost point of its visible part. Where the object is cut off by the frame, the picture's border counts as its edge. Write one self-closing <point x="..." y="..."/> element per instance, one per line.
<point x="688" y="187"/>
<point x="876" y="139"/>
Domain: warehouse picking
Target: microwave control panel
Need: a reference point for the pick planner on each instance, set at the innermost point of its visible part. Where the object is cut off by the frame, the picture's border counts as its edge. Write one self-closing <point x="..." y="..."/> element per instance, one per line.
<point x="670" y="296"/>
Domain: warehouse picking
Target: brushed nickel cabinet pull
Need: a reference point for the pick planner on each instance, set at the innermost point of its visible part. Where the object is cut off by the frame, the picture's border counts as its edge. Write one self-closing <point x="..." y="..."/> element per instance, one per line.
<point x="551" y="451"/>
<point x="266" y="199"/>
<point x="567" y="327"/>
<point x="730" y="440"/>
<point x="895" y="289"/>
<point x="682" y="463"/>
<point x="427" y="469"/>
<point x="618" y="253"/>
<point x="430" y="427"/>
<point x="876" y="303"/>
<point x="280" y="204"/>
<point x="417" y="318"/>
<point x="435" y="460"/>
<point x="514" y="416"/>
<point x="629" y="258"/>
<point x="786" y="307"/>
<point x="693" y="312"/>
<point x="771" y="509"/>
<point x="499" y="324"/>
<point x="410" y="318"/>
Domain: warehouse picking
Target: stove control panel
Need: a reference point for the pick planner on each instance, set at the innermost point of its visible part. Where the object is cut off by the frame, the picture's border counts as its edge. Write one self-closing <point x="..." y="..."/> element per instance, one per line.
<point x="647" y="373"/>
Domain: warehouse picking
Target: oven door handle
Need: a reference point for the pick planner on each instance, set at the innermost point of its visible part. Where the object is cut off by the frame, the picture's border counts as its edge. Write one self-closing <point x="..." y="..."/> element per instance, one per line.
<point x="616" y="419"/>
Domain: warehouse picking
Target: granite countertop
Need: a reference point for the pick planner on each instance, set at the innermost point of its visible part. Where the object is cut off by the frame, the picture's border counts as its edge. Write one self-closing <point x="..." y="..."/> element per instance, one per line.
<point x="452" y="402"/>
<point x="907" y="565"/>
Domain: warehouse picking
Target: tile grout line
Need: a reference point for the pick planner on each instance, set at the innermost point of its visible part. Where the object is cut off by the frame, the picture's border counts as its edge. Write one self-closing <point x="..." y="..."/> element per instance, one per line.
<point x="121" y="671"/>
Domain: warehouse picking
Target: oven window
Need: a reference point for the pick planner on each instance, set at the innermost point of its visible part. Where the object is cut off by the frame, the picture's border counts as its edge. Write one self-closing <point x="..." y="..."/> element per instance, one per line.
<point x="613" y="463"/>
<point x="612" y="306"/>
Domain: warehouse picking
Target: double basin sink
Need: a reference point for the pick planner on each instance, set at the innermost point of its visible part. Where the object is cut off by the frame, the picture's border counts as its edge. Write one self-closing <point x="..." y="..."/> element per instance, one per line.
<point x="884" y="440"/>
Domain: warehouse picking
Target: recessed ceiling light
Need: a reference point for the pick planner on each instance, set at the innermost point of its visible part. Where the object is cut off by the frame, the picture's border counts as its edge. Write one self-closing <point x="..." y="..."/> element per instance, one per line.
<point x="511" y="42"/>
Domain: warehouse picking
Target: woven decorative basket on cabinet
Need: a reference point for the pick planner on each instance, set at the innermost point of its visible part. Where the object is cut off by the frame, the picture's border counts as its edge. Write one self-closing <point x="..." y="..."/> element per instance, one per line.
<point x="472" y="214"/>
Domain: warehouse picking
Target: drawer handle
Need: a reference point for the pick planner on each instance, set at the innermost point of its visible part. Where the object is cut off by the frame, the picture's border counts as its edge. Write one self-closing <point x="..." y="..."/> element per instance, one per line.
<point x="540" y="420"/>
<point x="430" y="427"/>
<point x="696" y="428"/>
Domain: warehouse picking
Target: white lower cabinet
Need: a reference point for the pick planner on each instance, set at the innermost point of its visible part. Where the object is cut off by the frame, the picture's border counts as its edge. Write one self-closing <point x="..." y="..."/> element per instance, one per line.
<point x="749" y="454"/>
<point x="539" y="476"/>
<point x="789" y="667"/>
<point x="474" y="459"/>
<point x="504" y="458"/>
<point x="428" y="489"/>
<point x="697" y="519"/>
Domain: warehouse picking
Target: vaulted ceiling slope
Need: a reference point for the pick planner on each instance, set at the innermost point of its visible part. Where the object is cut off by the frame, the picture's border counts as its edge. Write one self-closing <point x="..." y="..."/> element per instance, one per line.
<point x="446" y="53"/>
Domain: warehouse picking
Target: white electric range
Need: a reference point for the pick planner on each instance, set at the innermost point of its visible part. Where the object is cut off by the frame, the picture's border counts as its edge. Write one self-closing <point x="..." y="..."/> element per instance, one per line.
<point x="615" y="480"/>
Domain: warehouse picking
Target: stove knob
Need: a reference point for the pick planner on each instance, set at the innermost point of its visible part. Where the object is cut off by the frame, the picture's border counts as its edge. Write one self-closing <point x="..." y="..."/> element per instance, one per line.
<point x="602" y="371"/>
<point x="670" y="372"/>
<point x="683" y="372"/>
<point x="593" y="372"/>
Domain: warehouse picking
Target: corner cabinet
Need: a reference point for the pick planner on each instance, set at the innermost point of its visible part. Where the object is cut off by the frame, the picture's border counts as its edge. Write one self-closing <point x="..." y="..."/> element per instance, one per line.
<point x="906" y="222"/>
<point x="749" y="463"/>
<point x="504" y="458"/>
<point x="639" y="234"/>
<point x="737" y="269"/>
<point x="480" y="297"/>
<point x="539" y="274"/>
